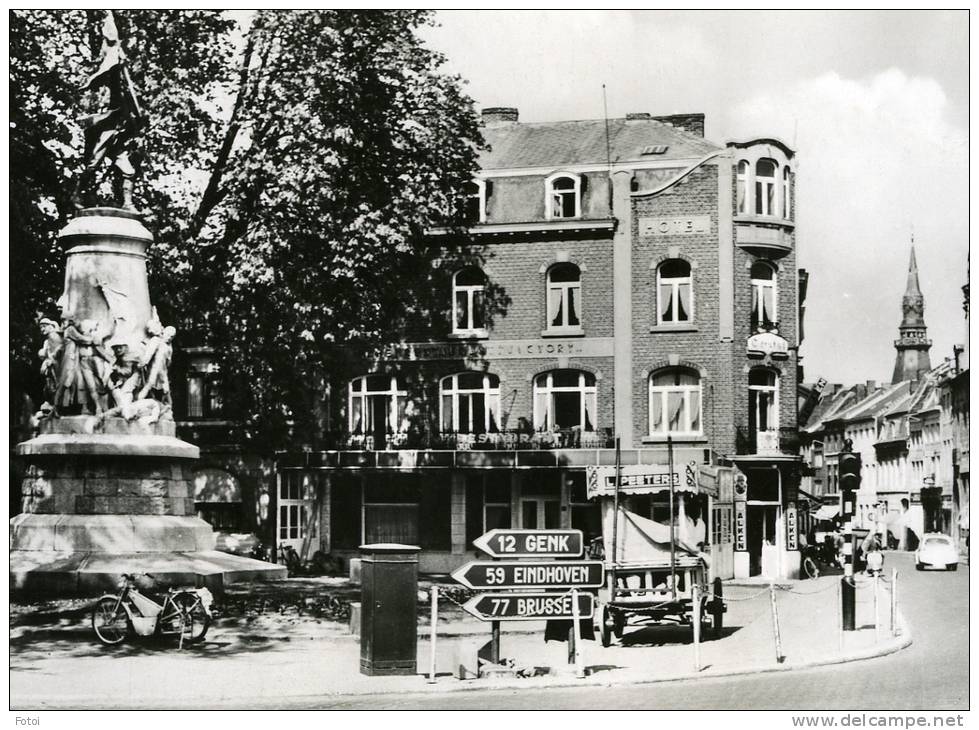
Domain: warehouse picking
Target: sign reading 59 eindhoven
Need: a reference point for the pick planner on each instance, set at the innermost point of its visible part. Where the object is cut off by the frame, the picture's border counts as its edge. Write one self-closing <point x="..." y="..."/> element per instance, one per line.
<point x="480" y="575"/>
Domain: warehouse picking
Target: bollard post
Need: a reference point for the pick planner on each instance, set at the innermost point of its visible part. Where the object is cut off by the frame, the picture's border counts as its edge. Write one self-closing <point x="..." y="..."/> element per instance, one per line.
<point x="695" y="595"/>
<point x="434" y="632"/>
<point x="579" y="668"/>
<point x="778" y="638"/>
<point x="876" y="608"/>
<point x="893" y="601"/>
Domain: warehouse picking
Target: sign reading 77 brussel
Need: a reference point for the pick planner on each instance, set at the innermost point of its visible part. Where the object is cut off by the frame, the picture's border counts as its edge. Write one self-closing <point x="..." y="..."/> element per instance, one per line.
<point x="528" y="606"/>
<point x="531" y="574"/>
<point x="532" y="543"/>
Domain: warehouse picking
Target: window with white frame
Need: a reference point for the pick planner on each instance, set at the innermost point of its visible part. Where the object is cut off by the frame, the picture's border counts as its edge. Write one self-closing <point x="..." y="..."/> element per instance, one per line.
<point x="475" y="202"/>
<point x="377" y="404"/>
<point x="564" y="399"/>
<point x="786" y="193"/>
<point x="674" y="287"/>
<point x="765" y="187"/>
<point x="468" y="292"/>
<point x="743" y="186"/>
<point x="764" y="295"/>
<point x="762" y="401"/>
<point x="564" y="297"/>
<point x="470" y="403"/>
<point x="675" y="402"/>
<point x="563" y="196"/>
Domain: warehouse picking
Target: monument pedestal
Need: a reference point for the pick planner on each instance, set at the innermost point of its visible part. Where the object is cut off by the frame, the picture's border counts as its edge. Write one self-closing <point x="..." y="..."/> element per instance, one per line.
<point x="104" y="496"/>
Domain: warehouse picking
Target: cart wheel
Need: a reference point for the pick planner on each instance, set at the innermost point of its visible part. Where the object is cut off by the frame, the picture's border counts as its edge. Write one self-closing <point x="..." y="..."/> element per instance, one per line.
<point x="618" y="624"/>
<point x="604" y="629"/>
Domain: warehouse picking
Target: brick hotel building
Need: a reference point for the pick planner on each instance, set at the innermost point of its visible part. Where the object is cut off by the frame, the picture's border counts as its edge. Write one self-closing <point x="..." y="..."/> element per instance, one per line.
<point x="651" y="292"/>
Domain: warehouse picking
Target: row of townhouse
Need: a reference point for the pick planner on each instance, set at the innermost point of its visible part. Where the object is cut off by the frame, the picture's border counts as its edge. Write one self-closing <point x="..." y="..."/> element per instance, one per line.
<point x="633" y="281"/>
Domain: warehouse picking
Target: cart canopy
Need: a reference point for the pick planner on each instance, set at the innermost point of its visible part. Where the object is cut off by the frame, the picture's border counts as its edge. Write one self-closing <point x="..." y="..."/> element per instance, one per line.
<point x="642" y="540"/>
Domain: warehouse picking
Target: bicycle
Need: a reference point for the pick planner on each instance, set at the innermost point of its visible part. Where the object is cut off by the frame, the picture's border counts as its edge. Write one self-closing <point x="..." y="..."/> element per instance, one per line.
<point x="184" y="612"/>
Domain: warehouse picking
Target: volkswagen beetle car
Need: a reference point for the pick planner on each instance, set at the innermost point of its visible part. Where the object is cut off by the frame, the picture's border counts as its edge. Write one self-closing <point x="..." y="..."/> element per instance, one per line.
<point x="936" y="551"/>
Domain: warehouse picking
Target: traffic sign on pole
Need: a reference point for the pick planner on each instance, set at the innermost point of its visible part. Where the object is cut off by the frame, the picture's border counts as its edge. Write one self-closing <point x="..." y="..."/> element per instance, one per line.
<point x="532" y="543"/>
<point x="528" y="606"/>
<point x="531" y="574"/>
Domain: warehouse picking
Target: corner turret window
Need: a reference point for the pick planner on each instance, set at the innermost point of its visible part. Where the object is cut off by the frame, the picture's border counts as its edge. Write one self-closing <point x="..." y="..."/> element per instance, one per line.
<point x="563" y="196"/>
<point x="468" y="291"/>
<point x="674" y="287"/>
<point x="765" y="181"/>
<point x="786" y="193"/>
<point x="762" y="401"/>
<point x="764" y="296"/>
<point x="743" y="186"/>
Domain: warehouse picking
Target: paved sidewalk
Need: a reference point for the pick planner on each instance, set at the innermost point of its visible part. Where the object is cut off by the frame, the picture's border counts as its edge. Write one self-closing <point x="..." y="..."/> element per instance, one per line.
<point x="260" y="661"/>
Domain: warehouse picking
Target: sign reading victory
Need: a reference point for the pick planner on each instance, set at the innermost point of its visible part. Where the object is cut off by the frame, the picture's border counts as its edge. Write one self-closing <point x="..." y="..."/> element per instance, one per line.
<point x="528" y="606"/>
<point x="531" y="543"/>
<point x="531" y="574"/>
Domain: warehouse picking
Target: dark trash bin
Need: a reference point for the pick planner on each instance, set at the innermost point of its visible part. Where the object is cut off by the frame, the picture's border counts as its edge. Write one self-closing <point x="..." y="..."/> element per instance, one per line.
<point x="389" y="608"/>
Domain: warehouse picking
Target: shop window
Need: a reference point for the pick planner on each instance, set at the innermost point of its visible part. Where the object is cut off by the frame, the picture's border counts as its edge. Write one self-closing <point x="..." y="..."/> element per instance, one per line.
<point x="762" y="401"/>
<point x="564" y="298"/>
<point x="377" y="405"/>
<point x="391" y="509"/>
<point x="487" y="504"/>
<point x="764" y="296"/>
<point x="565" y="399"/>
<point x="468" y="295"/>
<point x="470" y="403"/>
<point x="765" y="187"/>
<point x="675" y="403"/>
<point x="742" y="186"/>
<point x="564" y="196"/>
<point x="674" y="288"/>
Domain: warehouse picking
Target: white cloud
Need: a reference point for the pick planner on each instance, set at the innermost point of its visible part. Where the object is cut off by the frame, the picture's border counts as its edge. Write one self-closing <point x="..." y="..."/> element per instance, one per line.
<point x="877" y="157"/>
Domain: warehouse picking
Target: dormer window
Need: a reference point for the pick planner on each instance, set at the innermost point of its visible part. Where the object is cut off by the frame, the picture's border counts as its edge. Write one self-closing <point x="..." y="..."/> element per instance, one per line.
<point x="475" y="202"/>
<point x="563" y="196"/>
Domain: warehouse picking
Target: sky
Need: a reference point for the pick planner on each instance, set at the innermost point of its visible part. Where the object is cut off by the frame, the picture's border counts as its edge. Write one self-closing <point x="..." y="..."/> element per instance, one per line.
<point x="874" y="102"/>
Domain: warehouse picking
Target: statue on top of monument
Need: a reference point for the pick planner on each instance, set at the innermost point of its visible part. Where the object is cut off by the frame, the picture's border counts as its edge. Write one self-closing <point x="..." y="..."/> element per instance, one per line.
<point x="113" y="133"/>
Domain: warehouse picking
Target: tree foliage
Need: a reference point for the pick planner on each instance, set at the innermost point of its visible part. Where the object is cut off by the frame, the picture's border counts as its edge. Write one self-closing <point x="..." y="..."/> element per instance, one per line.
<point x="290" y="179"/>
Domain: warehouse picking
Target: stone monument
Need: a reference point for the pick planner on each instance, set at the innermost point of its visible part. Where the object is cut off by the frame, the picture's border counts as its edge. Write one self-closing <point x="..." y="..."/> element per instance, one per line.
<point x="108" y="486"/>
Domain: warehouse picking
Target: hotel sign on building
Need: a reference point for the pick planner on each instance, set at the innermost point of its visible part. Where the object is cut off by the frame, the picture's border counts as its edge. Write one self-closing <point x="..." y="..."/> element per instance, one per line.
<point x="500" y="349"/>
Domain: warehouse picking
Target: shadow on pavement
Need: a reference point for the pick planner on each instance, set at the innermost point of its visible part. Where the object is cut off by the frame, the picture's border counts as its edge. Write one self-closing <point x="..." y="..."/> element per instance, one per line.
<point x="667" y="635"/>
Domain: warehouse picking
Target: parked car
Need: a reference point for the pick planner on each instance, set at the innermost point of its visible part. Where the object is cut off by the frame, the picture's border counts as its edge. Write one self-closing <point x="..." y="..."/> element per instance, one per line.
<point x="936" y="551"/>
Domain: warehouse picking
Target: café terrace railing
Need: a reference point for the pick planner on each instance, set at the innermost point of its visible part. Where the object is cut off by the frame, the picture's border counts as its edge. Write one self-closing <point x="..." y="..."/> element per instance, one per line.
<point x="571" y="438"/>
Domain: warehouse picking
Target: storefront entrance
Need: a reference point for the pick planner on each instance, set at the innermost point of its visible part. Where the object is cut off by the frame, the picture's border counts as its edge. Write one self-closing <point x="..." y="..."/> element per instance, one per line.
<point x="763" y="539"/>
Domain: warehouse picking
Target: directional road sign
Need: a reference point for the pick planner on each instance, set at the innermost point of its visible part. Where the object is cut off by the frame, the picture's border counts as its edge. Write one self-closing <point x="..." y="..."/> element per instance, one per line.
<point x="528" y="606"/>
<point x="532" y="543"/>
<point x="531" y="574"/>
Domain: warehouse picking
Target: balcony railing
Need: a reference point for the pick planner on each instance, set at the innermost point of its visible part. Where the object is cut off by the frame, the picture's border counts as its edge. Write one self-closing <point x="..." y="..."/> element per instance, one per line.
<point x="571" y="438"/>
<point x="767" y="443"/>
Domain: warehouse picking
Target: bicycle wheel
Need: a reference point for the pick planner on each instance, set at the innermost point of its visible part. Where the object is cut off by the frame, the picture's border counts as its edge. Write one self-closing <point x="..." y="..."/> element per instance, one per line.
<point x="196" y="620"/>
<point x="109" y="621"/>
<point x="810" y="568"/>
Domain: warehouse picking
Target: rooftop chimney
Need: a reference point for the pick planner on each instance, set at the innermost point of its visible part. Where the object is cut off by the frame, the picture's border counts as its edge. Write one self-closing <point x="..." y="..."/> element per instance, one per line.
<point x="693" y="123"/>
<point x="500" y="114"/>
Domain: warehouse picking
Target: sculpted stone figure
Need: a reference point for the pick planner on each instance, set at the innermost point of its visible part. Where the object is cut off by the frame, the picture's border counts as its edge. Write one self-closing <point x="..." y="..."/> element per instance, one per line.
<point x="83" y="361"/>
<point x="50" y="354"/>
<point x="157" y="352"/>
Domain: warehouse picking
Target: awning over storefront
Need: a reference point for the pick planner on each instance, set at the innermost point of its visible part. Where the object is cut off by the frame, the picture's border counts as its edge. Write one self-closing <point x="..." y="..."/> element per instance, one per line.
<point x="216" y="485"/>
<point x="826" y="512"/>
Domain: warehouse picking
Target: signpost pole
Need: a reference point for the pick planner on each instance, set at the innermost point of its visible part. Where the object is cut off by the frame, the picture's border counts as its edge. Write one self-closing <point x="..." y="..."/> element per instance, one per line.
<point x="876" y="607"/>
<point x="495" y="642"/>
<point x="579" y="669"/>
<point x="695" y="595"/>
<point x="435" y="618"/>
<point x="615" y="516"/>
<point x="778" y="637"/>
<point x="669" y="449"/>
<point x="893" y="601"/>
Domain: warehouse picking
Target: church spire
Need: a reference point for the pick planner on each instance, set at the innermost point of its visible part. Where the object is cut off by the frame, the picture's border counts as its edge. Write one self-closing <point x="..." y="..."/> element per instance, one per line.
<point x="912" y="344"/>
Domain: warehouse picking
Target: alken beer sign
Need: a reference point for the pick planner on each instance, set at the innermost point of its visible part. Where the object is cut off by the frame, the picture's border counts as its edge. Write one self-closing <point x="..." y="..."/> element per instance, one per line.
<point x="481" y="575"/>
<point x="528" y="606"/>
<point x="531" y="543"/>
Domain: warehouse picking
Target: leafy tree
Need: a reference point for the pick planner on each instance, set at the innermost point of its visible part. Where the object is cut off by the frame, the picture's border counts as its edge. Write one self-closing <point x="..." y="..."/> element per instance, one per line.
<point x="290" y="235"/>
